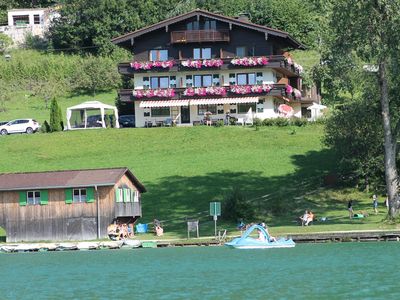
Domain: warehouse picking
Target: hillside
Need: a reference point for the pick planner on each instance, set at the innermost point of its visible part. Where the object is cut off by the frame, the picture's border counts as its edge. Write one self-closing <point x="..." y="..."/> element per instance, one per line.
<point x="279" y="170"/>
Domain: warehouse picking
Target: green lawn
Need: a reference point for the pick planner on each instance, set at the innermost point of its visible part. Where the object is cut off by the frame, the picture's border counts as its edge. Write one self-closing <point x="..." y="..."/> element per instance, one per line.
<point x="280" y="171"/>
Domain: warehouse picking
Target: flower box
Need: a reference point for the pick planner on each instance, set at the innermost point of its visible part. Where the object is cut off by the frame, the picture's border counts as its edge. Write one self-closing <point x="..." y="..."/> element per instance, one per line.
<point x="251" y="89"/>
<point x="203" y="91"/>
<point x="198" y="64"/>
<point x="148" y="65"/>
<point x="250" y="61"/>
<point x="154" y="93"/>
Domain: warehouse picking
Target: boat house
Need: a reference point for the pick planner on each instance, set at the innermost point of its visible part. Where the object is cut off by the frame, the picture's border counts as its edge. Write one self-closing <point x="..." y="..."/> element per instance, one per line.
<point x="204" y="64"/>
<point x="67" y="205"/>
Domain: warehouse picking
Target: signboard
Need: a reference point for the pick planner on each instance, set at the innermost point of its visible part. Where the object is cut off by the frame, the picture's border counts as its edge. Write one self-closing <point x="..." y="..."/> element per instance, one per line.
<point x="215" y="208"/>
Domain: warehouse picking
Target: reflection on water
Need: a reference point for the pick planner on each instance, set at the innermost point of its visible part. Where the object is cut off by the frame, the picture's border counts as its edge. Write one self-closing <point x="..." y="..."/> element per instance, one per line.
<point x="357" y="270"/>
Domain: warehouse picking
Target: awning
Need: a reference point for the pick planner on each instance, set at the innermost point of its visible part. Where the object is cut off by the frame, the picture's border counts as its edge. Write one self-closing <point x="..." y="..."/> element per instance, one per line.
<point x="224" y="100"/>
<point x="163" y="103"/>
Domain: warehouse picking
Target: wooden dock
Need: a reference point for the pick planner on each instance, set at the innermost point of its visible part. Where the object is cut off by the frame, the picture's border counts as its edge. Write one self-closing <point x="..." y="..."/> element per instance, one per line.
<point x="347" y="236"/>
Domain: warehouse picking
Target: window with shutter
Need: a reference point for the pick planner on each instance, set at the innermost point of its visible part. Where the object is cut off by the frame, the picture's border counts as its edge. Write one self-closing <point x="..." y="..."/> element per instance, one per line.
<point x="172" y="81"/>
<point x="259" y="78"/>
<point x="215" y="80"/>
<point x="89" y="195"/>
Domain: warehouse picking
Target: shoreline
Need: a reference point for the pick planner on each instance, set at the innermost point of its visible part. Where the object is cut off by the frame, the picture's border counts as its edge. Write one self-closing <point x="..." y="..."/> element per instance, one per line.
<point x="319" y="237"/>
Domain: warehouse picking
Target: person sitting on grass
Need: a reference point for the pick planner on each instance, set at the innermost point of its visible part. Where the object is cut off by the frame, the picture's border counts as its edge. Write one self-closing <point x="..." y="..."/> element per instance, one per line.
<point x="310" y="218"/>
<point x="304" y="218"/>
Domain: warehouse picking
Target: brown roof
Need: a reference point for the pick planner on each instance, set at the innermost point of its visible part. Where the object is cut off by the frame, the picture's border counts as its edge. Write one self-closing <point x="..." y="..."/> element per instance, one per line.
<point x="200" y="12"/>
<point x="66" y="179"/>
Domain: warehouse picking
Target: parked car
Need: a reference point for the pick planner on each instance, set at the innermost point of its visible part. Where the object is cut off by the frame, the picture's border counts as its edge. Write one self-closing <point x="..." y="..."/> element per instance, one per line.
<point x="3" y="122"/>
<point x="126" y="121"/>
<point x="19" y="126"/>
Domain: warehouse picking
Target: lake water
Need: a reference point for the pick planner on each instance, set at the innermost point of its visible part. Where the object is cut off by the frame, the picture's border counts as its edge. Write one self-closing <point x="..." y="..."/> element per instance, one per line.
<point x="312" y="271"/>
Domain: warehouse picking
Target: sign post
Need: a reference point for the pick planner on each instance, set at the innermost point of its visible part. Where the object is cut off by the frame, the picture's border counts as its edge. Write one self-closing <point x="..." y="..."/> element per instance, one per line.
<point x="215" y="211"/>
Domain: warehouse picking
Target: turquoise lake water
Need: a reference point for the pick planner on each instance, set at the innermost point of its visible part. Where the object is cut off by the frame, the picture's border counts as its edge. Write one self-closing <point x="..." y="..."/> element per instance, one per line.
<point x="312" y="271"/>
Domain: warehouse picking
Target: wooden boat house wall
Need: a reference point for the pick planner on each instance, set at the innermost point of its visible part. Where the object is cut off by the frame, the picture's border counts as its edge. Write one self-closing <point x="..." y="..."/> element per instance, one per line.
<point x="67" y="205"/>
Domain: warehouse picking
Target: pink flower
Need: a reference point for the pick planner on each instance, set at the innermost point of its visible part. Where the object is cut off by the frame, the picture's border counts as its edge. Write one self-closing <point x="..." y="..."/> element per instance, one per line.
<point x="147" y="65"/>
<point x="162" y="93"/>
<point x="250" y="61"/>
<point x="289" y="89"/>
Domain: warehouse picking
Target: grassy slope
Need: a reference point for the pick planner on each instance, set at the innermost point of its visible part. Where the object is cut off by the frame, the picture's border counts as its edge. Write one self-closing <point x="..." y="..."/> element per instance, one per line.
<point x="186" y="168"/>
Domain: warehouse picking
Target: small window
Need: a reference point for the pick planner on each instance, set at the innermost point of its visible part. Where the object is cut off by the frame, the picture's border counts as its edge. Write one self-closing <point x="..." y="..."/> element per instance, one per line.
<point x="33" y="197"/>
<point x="202" y="53"/>
<point x="246" y="78"/>
<point x="159" y="82"/>
<point x="202" y="80"/>
<point x="79" y="195"/>
<point x="158" y="55"/>
<point x="240" y="51"/>
<point x="160" y="112"/>
<point x="202" y="109"/>
<point x="36" y="19"/>
<point x="193" y="25"/>
<point x="21" y="21"/>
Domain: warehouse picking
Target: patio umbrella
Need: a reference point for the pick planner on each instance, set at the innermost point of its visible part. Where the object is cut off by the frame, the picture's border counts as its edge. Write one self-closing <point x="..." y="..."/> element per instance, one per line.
<point x="285" y="109"/>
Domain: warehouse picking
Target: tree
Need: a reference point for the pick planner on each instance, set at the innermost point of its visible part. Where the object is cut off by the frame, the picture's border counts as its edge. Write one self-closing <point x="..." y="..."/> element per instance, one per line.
<point x="369" y="30"/>
<point x="55" y="116"/>
<point x="95" y="74"/>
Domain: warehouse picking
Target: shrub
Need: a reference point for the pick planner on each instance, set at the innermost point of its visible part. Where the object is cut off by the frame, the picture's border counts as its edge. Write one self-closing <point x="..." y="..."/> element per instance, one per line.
<point x="219" y="123"/>
<point x="268" y="122"/>
<point x="55" y="116"/>
<point x="299" y="122"/>
<point x="45" y="128"/>
<point x="281" y="122"/>
<point x="257" y="122"/>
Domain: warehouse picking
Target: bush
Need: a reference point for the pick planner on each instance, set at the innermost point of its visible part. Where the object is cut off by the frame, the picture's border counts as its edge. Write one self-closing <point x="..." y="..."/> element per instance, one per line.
<point x="282" y="122"/>
<point x="236" y="207"/>
<point x="257" y="122"/>
<point x="45" y="128"/>
<point x="299" y="122"/>
<point x="219" y="123"/>
<point x="268" y="122"/>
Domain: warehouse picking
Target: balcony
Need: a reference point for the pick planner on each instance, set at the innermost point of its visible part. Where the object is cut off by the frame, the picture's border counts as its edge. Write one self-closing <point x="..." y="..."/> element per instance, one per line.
<point x="275" y="90"/>
<point x="198" y="36"/>
<point x="277" y="62"/>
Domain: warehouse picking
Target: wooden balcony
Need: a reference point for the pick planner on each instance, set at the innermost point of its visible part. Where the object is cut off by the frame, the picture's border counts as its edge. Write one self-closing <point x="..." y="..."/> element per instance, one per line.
<point x="276" y="62"/>
<point x="278" y="90"/>
<point x="198" y="36"/>
<point x="128" y="209"/>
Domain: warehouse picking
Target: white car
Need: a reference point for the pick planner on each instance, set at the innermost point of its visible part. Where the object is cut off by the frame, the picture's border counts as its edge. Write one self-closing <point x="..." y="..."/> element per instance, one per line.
<point x="20" y="126"/>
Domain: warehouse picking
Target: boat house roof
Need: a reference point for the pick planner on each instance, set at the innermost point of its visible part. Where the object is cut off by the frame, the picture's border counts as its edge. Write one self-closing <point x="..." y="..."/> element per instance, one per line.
<point x="66" y="179"/>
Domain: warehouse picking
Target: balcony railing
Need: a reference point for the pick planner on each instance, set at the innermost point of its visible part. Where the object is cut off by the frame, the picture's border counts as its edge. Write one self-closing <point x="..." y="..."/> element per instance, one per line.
<point x="198" y="36"/>
<point x="277" y="90"/>
<point x="277" y="62"/>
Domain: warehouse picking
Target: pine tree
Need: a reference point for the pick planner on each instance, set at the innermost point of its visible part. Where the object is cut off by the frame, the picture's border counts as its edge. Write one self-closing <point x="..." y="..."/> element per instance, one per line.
<point x="55" y="116"/>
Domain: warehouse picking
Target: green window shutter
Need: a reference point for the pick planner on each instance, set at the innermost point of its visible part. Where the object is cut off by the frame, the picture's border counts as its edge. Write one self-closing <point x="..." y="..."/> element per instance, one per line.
<point x="117" y="195"/>
<point x="22" y="198"/>
<point x="89" y="195"/>
<point x="68" y="196"/>
<point x="44" y="197"/>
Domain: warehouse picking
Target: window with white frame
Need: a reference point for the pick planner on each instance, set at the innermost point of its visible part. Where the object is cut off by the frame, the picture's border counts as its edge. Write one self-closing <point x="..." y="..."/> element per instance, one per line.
<point x="243" y="108"/>
<point x="36" y="19"/>
<point x="161" y="82"/>
<point x="79" y="195"/>
<point x="33" y="197"/>
<point x="202" y="80"/>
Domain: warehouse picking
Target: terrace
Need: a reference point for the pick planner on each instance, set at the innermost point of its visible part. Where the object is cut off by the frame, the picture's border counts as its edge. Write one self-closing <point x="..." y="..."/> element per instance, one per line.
<point x="198" y="36"/>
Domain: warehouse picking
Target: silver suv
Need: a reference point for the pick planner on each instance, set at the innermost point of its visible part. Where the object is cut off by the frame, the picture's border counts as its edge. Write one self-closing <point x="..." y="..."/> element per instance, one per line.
<point x="20" y="126"/>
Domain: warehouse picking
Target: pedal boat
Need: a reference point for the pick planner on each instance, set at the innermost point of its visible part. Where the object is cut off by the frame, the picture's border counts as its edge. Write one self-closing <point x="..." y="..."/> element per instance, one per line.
<point x="247" y="242"/>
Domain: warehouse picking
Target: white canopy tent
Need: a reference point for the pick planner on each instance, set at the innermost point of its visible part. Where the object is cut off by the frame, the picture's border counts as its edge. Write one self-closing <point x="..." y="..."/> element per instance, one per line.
<point x="90" y="106"/>
<point x="316" y="110"/>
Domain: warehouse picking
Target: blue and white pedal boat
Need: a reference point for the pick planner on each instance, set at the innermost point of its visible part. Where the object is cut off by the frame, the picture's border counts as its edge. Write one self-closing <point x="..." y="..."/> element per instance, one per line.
<point x="247" y="242"/>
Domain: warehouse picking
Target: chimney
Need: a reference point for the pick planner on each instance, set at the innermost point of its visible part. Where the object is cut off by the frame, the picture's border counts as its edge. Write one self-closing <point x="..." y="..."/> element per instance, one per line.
<point x="245" y="17"/>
